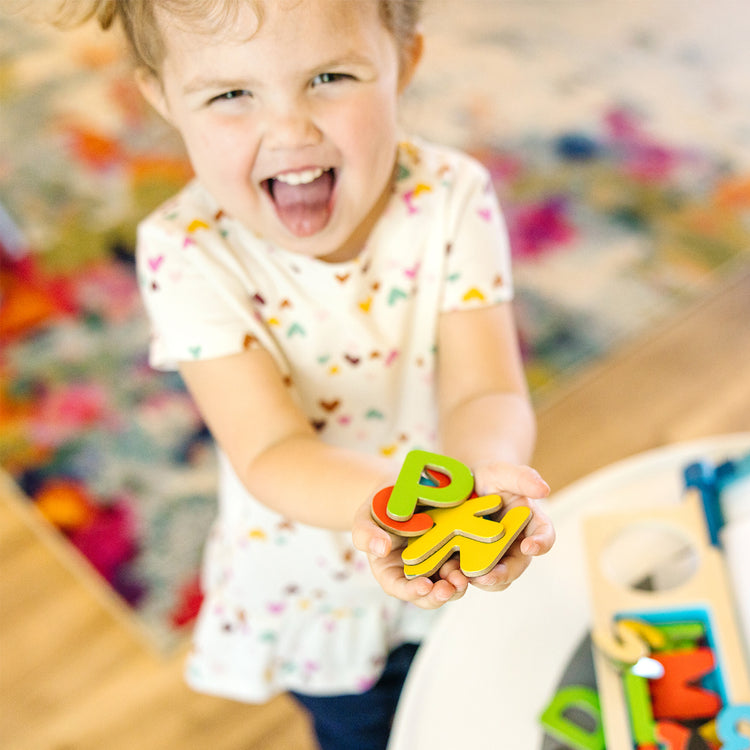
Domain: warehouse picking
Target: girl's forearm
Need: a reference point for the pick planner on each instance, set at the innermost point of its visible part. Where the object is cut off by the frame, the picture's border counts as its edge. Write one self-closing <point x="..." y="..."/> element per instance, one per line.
<point x="311" y="482"/>
<point x="492" y="427"/>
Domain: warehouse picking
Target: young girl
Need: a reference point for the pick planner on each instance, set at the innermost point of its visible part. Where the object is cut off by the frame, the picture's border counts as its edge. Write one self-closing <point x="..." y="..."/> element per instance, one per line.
<point x="334" y="295"/>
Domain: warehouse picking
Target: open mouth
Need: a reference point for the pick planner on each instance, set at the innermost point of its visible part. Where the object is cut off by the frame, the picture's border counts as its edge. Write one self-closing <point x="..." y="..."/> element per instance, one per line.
<point x="303" y="199"/>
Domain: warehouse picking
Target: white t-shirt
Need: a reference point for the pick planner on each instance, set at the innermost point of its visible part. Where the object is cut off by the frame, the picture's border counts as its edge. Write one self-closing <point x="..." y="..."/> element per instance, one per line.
<point x="289" y="606"/>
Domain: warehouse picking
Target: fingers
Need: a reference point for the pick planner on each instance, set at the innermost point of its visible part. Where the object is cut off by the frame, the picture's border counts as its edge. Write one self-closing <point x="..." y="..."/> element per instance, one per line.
<point x="384" y="554"/>
<point x="538" y="543"/>
<point x="504" y="573"/>
<point x="422" y="592"/>
<point x="531" y="484"/>
<point x="539" y="535"/>
<point x="518" y="486"/>
<point x="451" y="572"/>
<point x="367" y="536"/>
<point x="511" y="479"/>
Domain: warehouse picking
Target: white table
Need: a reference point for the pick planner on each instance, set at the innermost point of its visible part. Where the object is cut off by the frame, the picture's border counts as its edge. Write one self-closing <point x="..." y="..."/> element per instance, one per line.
<point x="494" y="660"/>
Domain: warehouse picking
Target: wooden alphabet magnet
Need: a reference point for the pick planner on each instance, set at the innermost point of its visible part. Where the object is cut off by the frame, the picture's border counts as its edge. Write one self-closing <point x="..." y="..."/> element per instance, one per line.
<point x="433" y="503"/>
<point x="669" y="659"/>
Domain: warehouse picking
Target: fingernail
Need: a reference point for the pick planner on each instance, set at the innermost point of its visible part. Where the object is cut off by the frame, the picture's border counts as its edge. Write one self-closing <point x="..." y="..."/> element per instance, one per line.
<point x="378" y="547"/>
<point x="542" y="480"/>
<point x="424" y="588"/>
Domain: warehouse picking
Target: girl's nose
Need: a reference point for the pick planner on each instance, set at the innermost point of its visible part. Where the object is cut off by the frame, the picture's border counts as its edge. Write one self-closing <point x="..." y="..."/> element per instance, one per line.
<point x="291" y="128"/>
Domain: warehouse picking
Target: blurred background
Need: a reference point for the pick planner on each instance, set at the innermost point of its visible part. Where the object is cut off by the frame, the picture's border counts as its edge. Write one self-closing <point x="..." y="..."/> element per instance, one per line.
<point x="617" y="133"/>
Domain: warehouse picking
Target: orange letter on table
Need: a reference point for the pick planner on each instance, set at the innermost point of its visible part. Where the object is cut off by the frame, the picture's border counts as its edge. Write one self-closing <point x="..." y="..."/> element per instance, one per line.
<point x="672" y="735"/>
<point x="677" y="695"/>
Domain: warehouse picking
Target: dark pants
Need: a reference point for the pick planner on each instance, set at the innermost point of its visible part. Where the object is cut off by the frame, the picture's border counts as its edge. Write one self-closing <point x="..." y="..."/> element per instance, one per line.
<point x="361" y="722"/>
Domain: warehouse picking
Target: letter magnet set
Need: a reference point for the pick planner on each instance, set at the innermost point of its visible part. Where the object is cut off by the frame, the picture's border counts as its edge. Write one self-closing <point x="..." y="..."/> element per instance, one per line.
<point x="670" y="659"/>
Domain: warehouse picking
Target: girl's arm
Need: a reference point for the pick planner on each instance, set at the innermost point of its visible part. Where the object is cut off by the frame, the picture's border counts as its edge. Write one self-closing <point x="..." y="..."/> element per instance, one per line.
<point x="279" y="458"/>
<point x="485" y="412"/>
<point x="486" y="422"/>
<point x="272" y="446"/>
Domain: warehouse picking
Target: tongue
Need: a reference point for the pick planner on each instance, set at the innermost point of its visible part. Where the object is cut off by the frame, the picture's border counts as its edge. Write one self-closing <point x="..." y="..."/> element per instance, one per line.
<point x="304" y="209"/>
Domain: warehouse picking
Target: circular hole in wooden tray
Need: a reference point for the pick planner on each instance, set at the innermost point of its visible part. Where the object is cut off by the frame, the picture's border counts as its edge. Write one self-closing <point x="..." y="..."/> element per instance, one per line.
<point x="648" y="556"/>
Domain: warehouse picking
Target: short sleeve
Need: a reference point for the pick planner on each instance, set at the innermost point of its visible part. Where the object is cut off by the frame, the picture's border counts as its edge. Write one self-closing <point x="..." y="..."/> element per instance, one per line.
<point x="478" y="266"/>
<point x="197" y="307"/>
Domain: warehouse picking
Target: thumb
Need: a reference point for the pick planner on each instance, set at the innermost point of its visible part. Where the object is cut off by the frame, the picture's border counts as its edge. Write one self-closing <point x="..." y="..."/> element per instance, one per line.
<point x="367" y="536"/>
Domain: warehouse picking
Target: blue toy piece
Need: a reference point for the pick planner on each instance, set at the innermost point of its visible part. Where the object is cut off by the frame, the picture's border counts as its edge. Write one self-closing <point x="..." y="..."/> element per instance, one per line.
<point x="711" y="481"/>
<point x="702" y="476"/>
<point x="732" y="471"/>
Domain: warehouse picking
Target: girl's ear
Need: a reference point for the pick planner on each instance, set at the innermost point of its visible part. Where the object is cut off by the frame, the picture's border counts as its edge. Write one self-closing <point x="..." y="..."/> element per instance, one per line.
<point x="153" y="92"/>
<point x="410" y="58"/>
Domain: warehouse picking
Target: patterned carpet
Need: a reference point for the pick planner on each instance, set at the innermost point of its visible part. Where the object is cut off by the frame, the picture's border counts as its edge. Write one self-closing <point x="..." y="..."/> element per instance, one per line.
<point x="618" y="137"/>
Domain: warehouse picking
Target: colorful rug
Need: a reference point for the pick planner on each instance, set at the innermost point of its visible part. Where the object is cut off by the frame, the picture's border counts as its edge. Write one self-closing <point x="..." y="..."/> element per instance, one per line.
<point x="617" y="221"/>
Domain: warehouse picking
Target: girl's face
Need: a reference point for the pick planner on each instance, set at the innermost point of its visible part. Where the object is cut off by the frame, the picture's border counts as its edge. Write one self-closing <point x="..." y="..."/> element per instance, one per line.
<point x="291" y="126"/>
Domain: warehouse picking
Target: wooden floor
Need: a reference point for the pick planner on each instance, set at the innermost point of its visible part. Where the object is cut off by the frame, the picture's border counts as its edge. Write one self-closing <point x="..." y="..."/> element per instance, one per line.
<point x="74" y="675"/>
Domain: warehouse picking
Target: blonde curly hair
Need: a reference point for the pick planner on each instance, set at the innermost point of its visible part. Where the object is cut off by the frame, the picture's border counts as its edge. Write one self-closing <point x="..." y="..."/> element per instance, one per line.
<point x="137" y="17"/>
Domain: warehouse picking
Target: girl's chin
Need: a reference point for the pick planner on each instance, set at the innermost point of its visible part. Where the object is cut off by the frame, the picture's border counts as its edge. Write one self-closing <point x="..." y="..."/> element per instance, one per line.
<point x="324" y="247"/>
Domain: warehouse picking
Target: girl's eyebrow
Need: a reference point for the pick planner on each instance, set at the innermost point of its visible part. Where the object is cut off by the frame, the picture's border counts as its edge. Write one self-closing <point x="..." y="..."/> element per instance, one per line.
<point x="353" y="57"/>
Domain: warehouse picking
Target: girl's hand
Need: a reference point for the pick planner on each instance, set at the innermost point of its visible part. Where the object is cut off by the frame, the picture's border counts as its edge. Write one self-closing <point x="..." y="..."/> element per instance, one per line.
<point x="384" y="554"/>
<point x="517" y="486"/>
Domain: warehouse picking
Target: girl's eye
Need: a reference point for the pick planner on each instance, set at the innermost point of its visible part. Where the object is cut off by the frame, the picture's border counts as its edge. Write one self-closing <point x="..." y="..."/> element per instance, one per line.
<point x="322" y="78"/>
<point x="229" y="96"/>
